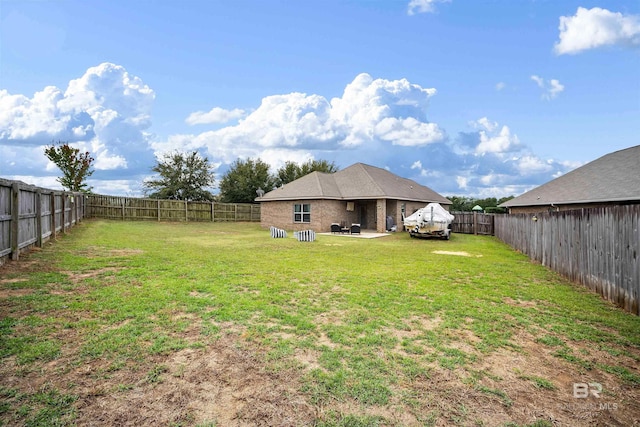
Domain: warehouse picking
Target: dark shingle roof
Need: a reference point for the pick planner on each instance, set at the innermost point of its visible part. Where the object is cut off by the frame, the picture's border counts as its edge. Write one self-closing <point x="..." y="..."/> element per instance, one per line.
<point x="614" y="177"/>
<point x="358" y="181"/>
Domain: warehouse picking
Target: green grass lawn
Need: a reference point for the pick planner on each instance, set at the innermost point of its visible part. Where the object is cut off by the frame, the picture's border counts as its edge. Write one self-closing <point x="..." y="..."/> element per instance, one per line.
<point x="219" y="324"/>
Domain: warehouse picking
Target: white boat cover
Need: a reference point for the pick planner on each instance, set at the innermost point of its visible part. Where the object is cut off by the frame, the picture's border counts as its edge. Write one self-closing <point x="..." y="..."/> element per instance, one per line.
<point x="424" y="215"/>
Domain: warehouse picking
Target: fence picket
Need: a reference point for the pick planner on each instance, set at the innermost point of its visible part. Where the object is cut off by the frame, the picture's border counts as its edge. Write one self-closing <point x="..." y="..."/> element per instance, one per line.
<point x="472" y="223"/>
<point x="132" y="208"/>
<point x="597" y="247"/>
<point x="32" y="215"/>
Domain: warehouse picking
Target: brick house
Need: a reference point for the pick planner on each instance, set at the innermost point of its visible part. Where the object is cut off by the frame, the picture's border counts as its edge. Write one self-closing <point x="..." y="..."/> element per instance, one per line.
<point x="360" y="193"/>
<point x="613" y="179"/>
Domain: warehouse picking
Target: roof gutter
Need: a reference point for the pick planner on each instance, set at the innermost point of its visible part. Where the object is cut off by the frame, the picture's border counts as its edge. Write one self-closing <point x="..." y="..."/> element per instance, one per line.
<point x="570" y="202"/>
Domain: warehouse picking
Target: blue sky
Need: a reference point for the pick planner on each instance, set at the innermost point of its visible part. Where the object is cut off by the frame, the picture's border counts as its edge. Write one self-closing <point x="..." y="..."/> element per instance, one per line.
<point x="479" y="98"/>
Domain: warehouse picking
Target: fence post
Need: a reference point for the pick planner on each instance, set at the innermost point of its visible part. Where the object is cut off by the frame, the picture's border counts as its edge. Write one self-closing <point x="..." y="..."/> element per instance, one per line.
<point x="186" y="212"/>
<point x="158" y="204"/>
<point x="122" y="208"/>
<point x="72" y="210"/>
<point x="64" y="210"/>
<point x="15" y="219"/>
<point x="475" y="223"/>
<point x="52" y="195"/>
<point x="80" y="207"/>
<point x="39" y="218"/>
<point x="76" y="207"/>
<point x="212" y="217"/>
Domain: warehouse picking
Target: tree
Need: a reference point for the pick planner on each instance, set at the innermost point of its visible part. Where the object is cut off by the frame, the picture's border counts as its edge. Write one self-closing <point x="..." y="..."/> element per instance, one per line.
<point x="292" y="171"/>
<point x="75" y="166"/>
<point x="183" y="176"/>
<point x="287" y="173"/>
<point x="505" y="199"/>
<point x="242" y="180"/>
<point x="465" y="204"/>
<point x="461" y="203"/>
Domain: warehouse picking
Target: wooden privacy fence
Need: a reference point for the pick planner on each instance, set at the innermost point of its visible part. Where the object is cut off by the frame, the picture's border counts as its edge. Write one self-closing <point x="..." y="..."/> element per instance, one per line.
<point x="472" y="223"/>
<point x="131" y="208"/>
<point x="32" y="215"/>
<point x="597" y="247"/>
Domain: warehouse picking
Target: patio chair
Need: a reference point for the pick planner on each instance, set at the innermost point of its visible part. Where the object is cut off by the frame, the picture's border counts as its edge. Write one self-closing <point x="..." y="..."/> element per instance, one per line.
<point x="335" y="228"/>
<point x="355" y="228"/>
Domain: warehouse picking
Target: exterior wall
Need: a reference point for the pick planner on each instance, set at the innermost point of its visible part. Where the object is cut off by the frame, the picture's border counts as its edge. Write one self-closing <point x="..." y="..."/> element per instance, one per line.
<point x="412" y="207"/>
<point x="335" y="211"/>
<point x="393" y="210"/>
<point x="381" y="215"/>
<point x="547" y="208"/>
<point x="323" y="214"/>
<point x="371" y="214"/>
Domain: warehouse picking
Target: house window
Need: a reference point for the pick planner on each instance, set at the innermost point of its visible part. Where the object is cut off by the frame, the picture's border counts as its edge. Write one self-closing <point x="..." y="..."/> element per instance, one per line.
<point x="302" y="212"/>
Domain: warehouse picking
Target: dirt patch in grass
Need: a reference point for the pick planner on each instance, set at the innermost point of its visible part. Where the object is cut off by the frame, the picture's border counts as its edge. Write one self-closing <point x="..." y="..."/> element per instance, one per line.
<point x="10" y="281"/>
<point x="539" y="385"/>
<point x="334" y="317"/>
<point x="100" y="251"/>
<point x="415" y="326"/>
<point x="456" y="253"/>
<point x="229" y="383"/>
<point x="308" y="358"/>
<point x="23" y="265"/>
<point x="8" y="293"/>
<point x="226" y="384"/>
<point x="75" y="277"/>
<point x="519" y="303"/>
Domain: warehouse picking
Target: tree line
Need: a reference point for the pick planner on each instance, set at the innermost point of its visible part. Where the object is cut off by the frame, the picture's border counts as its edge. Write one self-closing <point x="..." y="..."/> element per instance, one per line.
<point x="488" y="205"/>
<point x="189" y="175"/>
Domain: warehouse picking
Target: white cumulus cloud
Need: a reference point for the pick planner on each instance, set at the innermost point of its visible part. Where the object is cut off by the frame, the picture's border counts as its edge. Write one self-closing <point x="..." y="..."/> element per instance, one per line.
<point x="370" y="112"/>
<point x="462" y="182"/>
<point x="423" y="6"/>
<point x="105" y="103"/>
<point x="106" y="111"/>
<point x="216" y="115"/>
<point x="501" y="142"/>
<point x="42" y="117"/>
<point x="485" y="123"/>
<point x="551" y="88"/>
<point x="597" y="27"/>
<point x="529" y="164"/>
<point x="382" y="122"/>
<point x="408" y="132"/>
<point x="490" y="161"/>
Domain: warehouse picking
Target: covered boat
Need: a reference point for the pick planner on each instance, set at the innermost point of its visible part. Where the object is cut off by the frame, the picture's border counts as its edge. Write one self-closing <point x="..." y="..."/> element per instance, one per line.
<point x="431" y="221"/>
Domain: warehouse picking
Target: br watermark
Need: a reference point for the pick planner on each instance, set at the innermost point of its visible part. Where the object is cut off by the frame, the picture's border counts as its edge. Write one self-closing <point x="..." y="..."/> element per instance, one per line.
<point x="590" y="395"/>
<point x="584" y="390"/>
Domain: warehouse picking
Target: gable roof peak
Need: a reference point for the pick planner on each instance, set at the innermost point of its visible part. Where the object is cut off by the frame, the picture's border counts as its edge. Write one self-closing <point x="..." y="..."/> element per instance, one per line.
<point x="357" y="181"/>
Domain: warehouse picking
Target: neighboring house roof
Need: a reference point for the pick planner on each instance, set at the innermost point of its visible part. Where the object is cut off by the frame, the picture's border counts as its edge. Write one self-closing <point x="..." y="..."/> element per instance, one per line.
<point x="358" y="181"/>
<point x="614" y="177"/>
